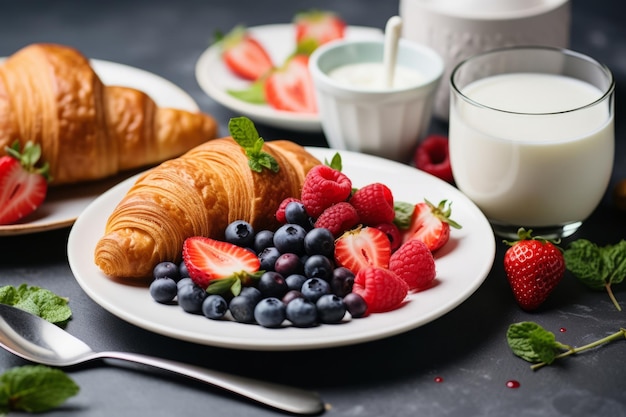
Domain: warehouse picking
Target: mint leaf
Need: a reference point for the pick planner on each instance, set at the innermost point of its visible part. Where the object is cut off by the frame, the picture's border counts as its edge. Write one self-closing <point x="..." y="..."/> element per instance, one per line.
<point x="335" y="162"/>
<point x="255" y="93"/>
<point x="245" y="134"/>
<point x="404" y="212"/>
<point x="35" y="388"/>
<point x="38" y="301"/>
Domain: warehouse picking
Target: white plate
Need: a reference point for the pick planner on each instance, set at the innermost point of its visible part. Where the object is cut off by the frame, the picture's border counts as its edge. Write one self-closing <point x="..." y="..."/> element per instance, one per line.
<point x="462" y="266"/>
<point x="216" y="79"/>
<point x="64" y="203"/>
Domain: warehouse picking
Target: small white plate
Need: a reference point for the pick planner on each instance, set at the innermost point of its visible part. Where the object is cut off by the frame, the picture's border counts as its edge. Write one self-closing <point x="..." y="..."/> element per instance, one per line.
<point x="462" y="265"/>
<point x="279" y="40"/>
<point x="63" y="204"/>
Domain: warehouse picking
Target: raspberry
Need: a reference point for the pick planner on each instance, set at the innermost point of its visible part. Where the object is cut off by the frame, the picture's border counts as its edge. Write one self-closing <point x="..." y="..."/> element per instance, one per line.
<point x="414" y="263"/>
<point x="323" y="187"/>
<point x="338" y="218"/>
<point x="374" y="203"/>
<point x="381" y="289"/>
<point x="280" y="212"/>
<point x="392" y="232"/>
<point x="432" y="156"/>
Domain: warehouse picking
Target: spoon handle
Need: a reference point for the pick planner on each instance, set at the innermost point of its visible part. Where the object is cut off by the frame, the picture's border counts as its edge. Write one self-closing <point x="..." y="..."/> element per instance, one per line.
<point x="282" y="397"/>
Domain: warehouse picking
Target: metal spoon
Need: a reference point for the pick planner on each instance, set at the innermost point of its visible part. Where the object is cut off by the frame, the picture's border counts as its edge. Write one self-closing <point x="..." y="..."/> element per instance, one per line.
<point x="37" y="340"/>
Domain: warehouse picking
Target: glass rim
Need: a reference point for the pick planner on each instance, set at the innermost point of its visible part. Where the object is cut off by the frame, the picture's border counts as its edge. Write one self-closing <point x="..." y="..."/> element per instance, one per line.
<point x="564" y="51"/>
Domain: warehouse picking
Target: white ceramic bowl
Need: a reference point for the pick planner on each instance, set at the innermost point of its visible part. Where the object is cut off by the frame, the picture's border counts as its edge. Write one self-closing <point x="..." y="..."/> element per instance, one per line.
<point x="387" y="122"/>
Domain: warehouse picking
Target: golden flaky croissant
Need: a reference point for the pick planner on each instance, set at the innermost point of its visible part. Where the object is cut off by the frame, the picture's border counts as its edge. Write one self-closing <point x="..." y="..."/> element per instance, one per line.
<point x="49" y="94"/>
<point x="197" y="194"/>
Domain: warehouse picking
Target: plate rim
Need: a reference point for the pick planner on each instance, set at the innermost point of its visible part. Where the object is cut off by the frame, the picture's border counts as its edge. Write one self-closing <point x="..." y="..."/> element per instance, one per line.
<point x="270" y="344"/>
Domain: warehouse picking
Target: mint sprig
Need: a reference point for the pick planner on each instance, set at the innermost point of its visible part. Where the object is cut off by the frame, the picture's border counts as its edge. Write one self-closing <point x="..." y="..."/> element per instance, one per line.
<point x="534" y="344"/>
<point x="34" y="389"/>
<point x="598" y="267"/>
<point x="38" y="301"/>
<point x="245" y="134"/>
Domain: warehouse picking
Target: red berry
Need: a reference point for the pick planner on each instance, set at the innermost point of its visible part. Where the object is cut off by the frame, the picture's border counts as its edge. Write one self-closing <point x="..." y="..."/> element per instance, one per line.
<point x="374" y="203"/>
<point x="362" y="247"/>
<point x="414" y="263"/>
<point x="244" y="55"/>
<point x="432" y="156"/>
<point x="381" y="289"/>
<point x="338" y="218"/>
<point x="323" y="187"/>
<point x="280" y="212"/>
<point x="392" y="232"/>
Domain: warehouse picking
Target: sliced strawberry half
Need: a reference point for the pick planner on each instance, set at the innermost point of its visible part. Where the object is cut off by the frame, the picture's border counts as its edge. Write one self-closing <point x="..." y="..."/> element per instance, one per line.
<point x="23" y="185"/>
<point x="319" y="26"/>
<point x="219" y="266"/>
<point x="244" y="55"/>
<point x="363" y="247"/>
<point x="290" y="87"/>
<point x="431" y="224"/>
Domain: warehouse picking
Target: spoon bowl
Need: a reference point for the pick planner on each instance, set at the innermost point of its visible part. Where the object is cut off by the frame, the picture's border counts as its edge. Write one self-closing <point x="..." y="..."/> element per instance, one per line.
<point x="37" y="340"/>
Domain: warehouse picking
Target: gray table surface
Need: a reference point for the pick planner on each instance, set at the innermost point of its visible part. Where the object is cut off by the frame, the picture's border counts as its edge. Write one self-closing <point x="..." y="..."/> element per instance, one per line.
<point x="390" y="377"/>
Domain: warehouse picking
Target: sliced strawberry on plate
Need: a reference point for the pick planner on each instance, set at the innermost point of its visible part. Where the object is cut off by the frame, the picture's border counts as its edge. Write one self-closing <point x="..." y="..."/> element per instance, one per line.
<point x="219" y="266"/>
<point x="363" y="247"/>
<point x="431" y="224"/>
<point x="290" y="87"/>
<point x="23" y="185"/>
<point x="318" y="25"/>
<point x="244" y="55"/>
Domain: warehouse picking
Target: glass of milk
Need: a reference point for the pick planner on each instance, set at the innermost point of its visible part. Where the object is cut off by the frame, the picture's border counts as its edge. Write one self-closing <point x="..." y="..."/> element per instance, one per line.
<point x="359" y="111"/>
<point x="532" y="138"/>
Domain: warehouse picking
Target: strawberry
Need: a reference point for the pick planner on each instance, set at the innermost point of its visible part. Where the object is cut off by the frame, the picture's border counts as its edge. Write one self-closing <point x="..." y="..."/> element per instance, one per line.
<point x="290" y="87"/>
<point x="318" y="26"/>
<point x="23" y="185"/>
<point x="338" y="218"/>
<point x="533" y="267"/>
<point x="414" y="263"/>
<point x="431" y="224"/>
<point x="324" y="186"/>
<point x="219" y="266"/>
<point x="244" y="55"/>
<point x="381" y="289"/>
<point x="374" y="203"/>
<point x="362" y="247"/>
<point x="432" y="156"/>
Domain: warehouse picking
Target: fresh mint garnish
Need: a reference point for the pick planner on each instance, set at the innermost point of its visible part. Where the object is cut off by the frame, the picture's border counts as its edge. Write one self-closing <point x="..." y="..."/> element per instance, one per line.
<point x="598" y="267"/>
<point x="254" y="93"/>
<point x="245" y="134"/>
<point x="534" y="344"/>
<point x="335" y="162"/>
<point x="38" y="301"/>
<point x="404" y="212"/>
<point x="34" y="389"/>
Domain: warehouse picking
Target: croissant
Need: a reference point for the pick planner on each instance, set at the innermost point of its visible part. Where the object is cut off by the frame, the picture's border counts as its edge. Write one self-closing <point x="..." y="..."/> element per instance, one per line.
<point x="49" y="94"/>
<point x="197" y="194"/>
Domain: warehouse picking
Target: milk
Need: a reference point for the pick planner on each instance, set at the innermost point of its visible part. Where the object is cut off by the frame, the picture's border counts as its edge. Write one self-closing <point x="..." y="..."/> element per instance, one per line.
<point x="532" y="170"/>
<point x="371" y="76"/>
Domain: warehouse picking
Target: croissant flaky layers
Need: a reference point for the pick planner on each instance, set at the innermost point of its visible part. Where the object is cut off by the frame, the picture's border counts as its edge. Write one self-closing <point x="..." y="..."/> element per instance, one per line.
<point x="197" y="194"/>
<point x="49" y="94"/>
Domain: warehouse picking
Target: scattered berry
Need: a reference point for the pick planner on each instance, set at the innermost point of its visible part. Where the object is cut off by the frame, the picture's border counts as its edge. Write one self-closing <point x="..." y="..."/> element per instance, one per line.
<point x="362" y="247"/>
<point x="432" y="156"/>
<point x="324" y="186"/>
<point x="374" y="204"/>
<point x="414" y="263"/>
<point x="338" y="218"/>
<point x="381" y="289"/>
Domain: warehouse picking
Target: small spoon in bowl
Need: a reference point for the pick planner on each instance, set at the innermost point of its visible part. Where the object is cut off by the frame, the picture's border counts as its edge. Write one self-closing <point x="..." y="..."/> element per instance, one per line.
<point x="37" y="340"/>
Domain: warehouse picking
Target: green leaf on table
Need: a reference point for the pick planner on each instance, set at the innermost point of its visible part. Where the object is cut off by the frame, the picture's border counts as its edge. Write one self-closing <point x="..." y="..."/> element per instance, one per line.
<point x="38" y="301"/>
<point x="34" y="389"/>
<point x="532" y="342"/>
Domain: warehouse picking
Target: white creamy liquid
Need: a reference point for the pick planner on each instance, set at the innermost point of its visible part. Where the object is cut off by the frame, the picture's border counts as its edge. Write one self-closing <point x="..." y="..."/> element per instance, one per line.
<point x="532" y="169"/>
<point x="371" y="76"/>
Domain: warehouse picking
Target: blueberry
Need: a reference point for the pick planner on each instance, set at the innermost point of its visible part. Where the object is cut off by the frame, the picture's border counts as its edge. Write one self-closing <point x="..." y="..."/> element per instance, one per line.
<point x="239" y="233"/>
<point x="214" y="306"/>
<point x="183" y="282"/>
<point x="342" y="281"/>
<point x="183" y="272"/>
<point x="295" y="281"/>
<point x="270" y="312"/>
<point x="320" y="241"/>
<point x="295" y="213"/>
<point x="287" y="264"/>
<point x="268" y="258"/>
<point x="318" y="266"/>
<point x="314" y="288"/>
<point x="355" y="304"/>
<point x="330" y="308"/>
<point x="263" y="239"/>
<point x="242" y="308"/>
<point x="290" y="238"/>
<point x="301" y="312"/>
<point x="166" y="270"/>
<point x="291" y="295"/>
<point x="272" y="284"/>
<point x="252" y="293"/>
<point x="191" y="297"/>
<point x="163" y="290"/>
